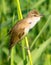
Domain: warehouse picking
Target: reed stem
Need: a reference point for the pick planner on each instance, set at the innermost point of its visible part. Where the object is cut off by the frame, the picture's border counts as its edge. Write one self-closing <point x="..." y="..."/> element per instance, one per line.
<point x="28" y="50"/>
<point x="21" y="17"/>
<point x="12" y="56"/>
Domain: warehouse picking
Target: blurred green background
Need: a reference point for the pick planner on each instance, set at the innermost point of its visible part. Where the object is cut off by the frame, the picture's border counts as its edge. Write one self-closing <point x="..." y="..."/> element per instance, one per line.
<point x="39" y="38"/>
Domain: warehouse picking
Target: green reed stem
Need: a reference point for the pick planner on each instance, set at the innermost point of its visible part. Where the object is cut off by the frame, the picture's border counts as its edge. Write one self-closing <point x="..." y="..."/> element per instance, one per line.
<point x="19" y="10"/>
<point x="30" y="58"/>
<point x="21" y="17"/>
<point x="12" y="56"/>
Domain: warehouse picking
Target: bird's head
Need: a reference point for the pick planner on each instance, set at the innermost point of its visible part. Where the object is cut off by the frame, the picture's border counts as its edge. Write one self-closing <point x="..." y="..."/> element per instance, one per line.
<point x="35" y="15"/>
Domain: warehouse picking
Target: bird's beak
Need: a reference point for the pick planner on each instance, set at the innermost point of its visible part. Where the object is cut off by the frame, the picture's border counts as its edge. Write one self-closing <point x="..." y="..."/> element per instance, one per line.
<point x="41" y="15"/>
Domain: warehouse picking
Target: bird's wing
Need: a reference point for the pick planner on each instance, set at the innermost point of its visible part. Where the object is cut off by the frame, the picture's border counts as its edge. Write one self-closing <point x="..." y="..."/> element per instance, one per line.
<point x="17" y="32"/>
<point x="16" y="36"/>
<point x="22" y="24"/>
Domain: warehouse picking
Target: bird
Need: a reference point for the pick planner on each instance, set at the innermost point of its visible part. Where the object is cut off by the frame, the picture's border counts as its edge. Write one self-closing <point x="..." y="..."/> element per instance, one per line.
<point x="22" y="27"/>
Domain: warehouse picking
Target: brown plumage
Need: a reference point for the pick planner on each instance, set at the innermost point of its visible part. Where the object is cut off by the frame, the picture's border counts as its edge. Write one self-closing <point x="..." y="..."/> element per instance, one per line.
<point x="17" y="32"/>
<point x="33" y="12"/>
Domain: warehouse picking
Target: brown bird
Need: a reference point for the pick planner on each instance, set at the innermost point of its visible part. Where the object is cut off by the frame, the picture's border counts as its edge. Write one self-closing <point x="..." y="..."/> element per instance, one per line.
<point x="21" y="28"/>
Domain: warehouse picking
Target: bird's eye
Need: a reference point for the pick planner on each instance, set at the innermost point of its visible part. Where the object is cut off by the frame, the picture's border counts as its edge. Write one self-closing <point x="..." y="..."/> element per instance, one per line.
<point x="34" y="15"/>
<point x="29" y="22"/>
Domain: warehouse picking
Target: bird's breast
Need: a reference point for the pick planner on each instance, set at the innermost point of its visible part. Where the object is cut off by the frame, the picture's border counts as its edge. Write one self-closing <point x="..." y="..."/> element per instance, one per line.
<point x="26" y="30"/>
